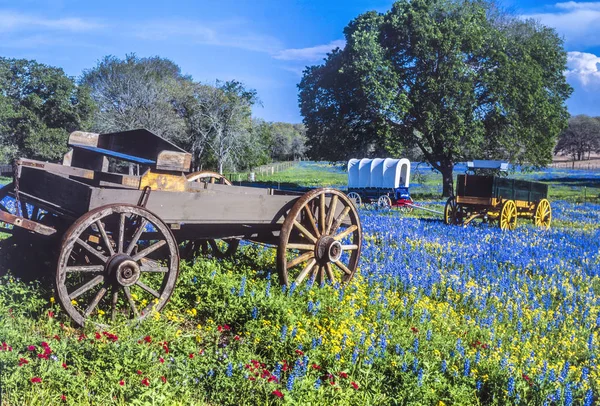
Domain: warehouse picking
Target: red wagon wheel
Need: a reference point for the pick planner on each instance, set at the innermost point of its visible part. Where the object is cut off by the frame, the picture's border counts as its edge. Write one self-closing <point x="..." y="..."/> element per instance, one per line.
<point x="320" y="238"/>
<point x="116" y="260"/>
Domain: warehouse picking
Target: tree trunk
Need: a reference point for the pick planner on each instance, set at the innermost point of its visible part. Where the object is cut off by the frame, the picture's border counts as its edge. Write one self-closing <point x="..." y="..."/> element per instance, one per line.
<point x="448" y="179"/>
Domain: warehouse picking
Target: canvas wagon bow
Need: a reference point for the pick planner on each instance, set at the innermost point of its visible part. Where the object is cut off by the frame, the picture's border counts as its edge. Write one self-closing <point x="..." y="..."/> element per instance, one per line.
<point x="121" y="236"/>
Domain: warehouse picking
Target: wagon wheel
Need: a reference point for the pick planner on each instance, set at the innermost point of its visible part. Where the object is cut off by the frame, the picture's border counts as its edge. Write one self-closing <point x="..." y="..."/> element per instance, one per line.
<point x="217" y="248"/>
<point x="355" y="198"/>
<point x="323" y="240"/>
<point x="508" y="215"/>
<point x="543" y="214"/>
<point x="452" y="211"/>
<point x="208" y="177"/>
<point x="384" y="202"/>
<point x="116" y="260"/>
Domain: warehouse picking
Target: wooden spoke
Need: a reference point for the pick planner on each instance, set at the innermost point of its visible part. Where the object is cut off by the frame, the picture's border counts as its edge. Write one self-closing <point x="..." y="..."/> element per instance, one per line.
<point x="115" y="299"/>
<point x="322" y="215"/>
<point x="136" y="237"/>
<point x="312" y="221"/>
<point x="95" y="301"/>
<point x="147" y="288"/>
<point x="85" y="268"/>
<point x="306" y="233"/>
<point x="349" y="247"/>
<point x="321" y="275"/>
<point x="92" y="251"/>
<point x="298" y="260"/>
<point x="343" y="267"/>
<point x="121" y="232"/>
<point x="346" y="232"/>
<point x="149" y="265"/>
<point x="86" y="286"/>
<point x="305" y="271"/>
<point x="147" y="251"/>
<point x="130" y="300"/>
<point x="111" y="252"/>
<point x="331" y="214"/>
<point x="329" y="272"/>
<point x="339" y="220"/>
<point x="303" y="247"/>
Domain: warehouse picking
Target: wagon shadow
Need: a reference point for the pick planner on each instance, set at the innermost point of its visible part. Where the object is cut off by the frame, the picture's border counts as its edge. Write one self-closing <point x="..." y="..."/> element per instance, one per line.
<point x="27" y="259"/>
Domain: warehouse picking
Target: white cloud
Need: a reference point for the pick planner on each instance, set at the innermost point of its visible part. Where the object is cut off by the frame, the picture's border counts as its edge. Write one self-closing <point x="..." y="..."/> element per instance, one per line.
<point x="573" y="5"/>
<point x="233" y="34"/>
<point x="13" y="22"/>
<point x="311" y="54"/>
<point x="584" y="69"/>
<point x="579" y="22"/>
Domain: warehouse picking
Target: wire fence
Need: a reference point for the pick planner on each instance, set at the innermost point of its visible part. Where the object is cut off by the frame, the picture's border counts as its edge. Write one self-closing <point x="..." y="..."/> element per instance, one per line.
<point x="259" y="172"/>
<point x="582" y="165"/>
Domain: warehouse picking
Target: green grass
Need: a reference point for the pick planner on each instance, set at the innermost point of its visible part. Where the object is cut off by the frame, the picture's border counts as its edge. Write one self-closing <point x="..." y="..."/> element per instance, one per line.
<point x="309" y="174"/>
<point x="5" y="180"/>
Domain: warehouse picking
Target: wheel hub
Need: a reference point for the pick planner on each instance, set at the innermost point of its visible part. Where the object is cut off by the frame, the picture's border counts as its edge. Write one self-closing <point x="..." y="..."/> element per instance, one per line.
<point x="123" y="270"/>
<point x="327" y="250"/>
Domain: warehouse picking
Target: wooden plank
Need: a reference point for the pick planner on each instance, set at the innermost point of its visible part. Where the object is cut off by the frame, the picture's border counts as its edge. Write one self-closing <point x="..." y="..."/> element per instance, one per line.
<point x="57" y="168"/>
<point x="203" y="206"/>
<point x="174" y="161"/>
<point x="68" y="194"/>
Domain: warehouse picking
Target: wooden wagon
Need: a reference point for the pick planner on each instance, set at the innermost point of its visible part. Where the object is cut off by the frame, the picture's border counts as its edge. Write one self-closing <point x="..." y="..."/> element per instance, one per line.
<point x="495" y="198"/>
<point x="120" y="236"/>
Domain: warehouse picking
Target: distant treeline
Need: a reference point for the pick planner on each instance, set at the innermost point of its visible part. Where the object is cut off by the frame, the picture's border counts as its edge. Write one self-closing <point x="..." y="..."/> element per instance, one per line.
<point x="40" y="105"/>
<point x="580" y="139"/>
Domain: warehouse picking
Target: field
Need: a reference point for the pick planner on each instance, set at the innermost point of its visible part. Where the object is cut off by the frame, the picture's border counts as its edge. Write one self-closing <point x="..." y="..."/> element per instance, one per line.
<point x="437" y="315"/>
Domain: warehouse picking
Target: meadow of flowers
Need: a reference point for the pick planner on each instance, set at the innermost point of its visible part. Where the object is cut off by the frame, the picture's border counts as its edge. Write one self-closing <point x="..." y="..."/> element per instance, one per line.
<point x="436" y="315"/>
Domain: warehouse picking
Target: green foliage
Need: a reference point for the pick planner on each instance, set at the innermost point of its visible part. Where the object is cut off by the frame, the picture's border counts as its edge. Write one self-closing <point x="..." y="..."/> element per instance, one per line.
<point x="39" y="107"/>
<point x="457" y="79"/>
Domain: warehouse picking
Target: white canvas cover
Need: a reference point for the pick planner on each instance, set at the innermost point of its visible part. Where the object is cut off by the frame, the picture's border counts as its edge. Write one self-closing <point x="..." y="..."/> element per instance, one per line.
<point x="377" y="172"/>
<point x="353" y="173"/>
<point x="364" y="173"/>
<point x="385" y="173"/>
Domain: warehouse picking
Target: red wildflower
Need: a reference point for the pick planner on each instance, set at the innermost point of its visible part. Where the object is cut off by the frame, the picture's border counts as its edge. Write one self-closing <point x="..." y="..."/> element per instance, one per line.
<point x="528" y="379"/>
<point x="315" y="366"/>
<point x="63" y="398"/>
<point x="343" y="375"/>
<point x="51" y="314"/>
<point x="98" y="336"/>
<point x="122" y="382"/>
<point x="138" y="372"/>
<point x="414" y="330"/>
<point x="36" y="379"/>
<point x="252" y="378"/>
<point x="31" y="348"/>
<point x="191" y="355"/>
<point x="145" y="382"/>
<point x="236" y="338"/>
<point x="81" y="337"/>
<point x="226" y="327"/>
<point x="161" y="360"/>
<point x="272" y="378"/>
<point x="65" y="366"/>
<point x="112" y="337"/>
<point x="299" y="352"/>
<point x="23" y="361"/>
<point x="5" y="347"/>
<point x="354" y="385"/>
<point x="162" y="378"/>
<point x="148" y="339"/>
<point x="331" y="379"/>
<point x="56" y="337"/>
<point x="219" y="329"/>
<point x="277" y="393"/>
<point x="165" y="346"/>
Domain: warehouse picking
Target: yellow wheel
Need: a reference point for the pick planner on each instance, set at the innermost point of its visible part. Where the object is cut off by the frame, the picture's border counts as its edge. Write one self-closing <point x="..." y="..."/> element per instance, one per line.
<point x="508" y="215"/>
<point x="543" y="214"/>
<point x="451" y="211"/>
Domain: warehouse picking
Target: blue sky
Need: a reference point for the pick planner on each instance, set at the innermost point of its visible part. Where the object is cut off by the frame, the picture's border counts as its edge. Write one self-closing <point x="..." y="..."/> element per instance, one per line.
<point x="263" y="43"/>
